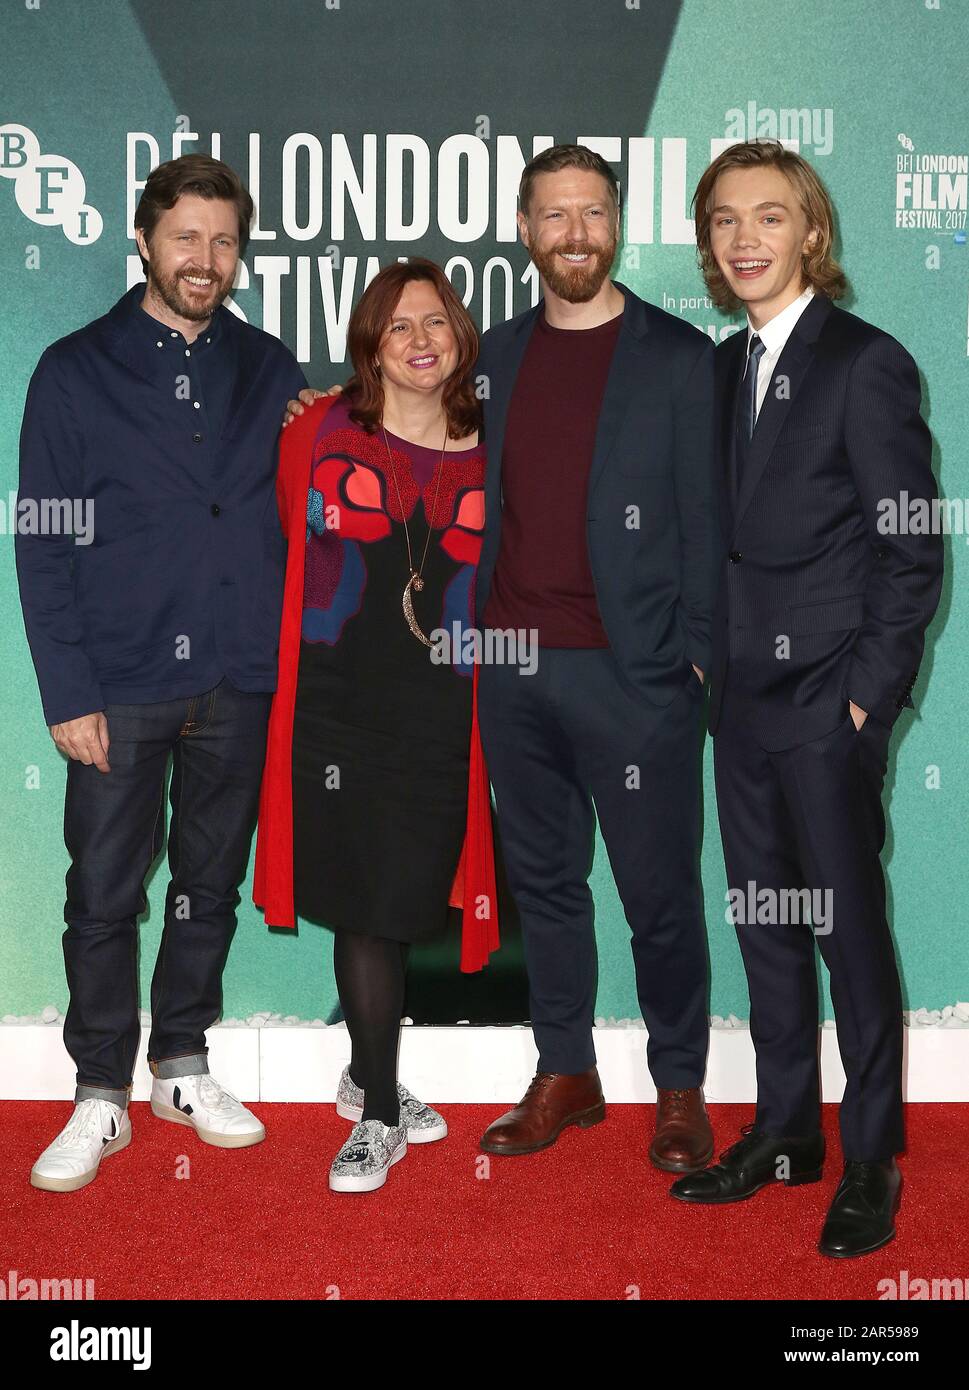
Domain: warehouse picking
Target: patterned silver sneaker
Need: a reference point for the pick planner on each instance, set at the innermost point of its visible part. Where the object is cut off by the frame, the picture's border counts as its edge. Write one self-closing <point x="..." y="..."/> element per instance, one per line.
<point x="424" y="1125"/>
<point x="363" y="1161"/>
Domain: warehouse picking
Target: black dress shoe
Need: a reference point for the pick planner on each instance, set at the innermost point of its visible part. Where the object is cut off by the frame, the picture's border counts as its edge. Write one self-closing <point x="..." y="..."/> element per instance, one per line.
<point x="752" y="1163"/>
<point x="861" y="1217"/>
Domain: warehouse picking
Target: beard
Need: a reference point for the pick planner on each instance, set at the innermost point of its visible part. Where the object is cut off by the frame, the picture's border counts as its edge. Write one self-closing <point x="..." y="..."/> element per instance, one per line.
<point x="169" y="289"/>
<point x="575" y="284"/>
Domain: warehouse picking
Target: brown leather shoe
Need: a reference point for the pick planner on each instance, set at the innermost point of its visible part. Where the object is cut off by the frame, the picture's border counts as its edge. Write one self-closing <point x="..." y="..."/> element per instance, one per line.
<point x="552" y="1101"/>
<point x="683" y="1142"/>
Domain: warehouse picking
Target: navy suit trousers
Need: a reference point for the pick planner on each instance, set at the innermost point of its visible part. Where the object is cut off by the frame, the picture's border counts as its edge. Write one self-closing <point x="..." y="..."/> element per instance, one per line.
<point x="811" y="818"/>
<point x="566" y="744"/>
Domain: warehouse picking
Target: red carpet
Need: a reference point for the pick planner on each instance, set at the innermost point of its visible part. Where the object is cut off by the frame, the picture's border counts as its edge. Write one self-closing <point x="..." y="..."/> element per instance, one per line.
<point x="585" y="1219"/>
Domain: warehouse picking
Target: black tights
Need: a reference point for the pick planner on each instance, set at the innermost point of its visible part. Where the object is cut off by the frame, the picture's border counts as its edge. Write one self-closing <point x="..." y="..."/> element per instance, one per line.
<point x="370" y="979"/>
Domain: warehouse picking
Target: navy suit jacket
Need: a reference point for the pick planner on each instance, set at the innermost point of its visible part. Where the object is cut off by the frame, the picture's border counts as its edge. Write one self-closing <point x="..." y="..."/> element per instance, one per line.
<point x="651" y="522"/>
<point x="819" y="605"/>
<point x="183" y="582"/>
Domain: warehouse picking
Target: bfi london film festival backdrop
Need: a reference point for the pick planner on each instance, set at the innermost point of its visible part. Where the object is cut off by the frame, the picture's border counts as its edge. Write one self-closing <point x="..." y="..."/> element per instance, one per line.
<point x="369" y="130"/>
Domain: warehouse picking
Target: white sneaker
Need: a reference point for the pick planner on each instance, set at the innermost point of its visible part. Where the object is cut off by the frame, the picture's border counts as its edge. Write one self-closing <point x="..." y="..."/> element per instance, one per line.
<point x="424" y="1125"/>
<point x="216" y="1115"/>
<point x="363" y="1161"/>
<point x="97" y="1128"/>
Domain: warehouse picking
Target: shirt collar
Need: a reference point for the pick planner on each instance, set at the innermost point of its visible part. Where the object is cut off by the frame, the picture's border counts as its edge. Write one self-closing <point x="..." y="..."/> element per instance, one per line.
<point x="162" y="338"/>
<point x="777" y="330"/>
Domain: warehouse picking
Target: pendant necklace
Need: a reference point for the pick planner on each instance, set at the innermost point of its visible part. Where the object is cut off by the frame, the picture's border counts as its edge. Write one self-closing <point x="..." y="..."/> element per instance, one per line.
<point x="415" y="581"/>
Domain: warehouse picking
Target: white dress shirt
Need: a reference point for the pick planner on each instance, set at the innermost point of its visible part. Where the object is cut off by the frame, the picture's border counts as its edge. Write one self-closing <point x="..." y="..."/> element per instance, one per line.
<point x="774" y="336"/>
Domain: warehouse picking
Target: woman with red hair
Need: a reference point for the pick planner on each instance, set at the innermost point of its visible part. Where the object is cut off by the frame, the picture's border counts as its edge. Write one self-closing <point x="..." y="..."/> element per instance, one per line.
<point x="375" y="807"/>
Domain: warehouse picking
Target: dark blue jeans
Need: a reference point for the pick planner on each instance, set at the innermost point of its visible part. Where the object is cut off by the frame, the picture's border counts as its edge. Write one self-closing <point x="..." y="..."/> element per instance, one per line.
<point x="114" y="829"/>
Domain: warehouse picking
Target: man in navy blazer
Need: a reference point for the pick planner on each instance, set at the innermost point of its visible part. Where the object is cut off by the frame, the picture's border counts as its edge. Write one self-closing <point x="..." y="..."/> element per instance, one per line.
<point x="601" y="548"/>
<point x="154" y="634"/>
<point x="817" y="644"/>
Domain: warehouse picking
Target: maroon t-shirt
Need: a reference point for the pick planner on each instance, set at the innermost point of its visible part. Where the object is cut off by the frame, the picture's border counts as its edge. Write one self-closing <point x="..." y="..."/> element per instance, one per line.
<point x="542" y="577"/>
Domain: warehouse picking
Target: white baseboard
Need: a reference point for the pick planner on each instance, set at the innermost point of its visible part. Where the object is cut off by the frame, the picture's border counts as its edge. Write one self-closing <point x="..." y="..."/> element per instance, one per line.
<point x="464" y="1064"/>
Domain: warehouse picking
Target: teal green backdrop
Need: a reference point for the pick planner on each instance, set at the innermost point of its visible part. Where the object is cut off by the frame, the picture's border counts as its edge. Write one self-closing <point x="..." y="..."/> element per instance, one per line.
<point x="873" y="92"/>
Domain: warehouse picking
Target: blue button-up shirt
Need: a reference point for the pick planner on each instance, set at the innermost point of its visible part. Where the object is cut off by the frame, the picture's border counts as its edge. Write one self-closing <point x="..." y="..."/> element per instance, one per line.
<point x="200" y="373"/>
<point x="173" y="448"/>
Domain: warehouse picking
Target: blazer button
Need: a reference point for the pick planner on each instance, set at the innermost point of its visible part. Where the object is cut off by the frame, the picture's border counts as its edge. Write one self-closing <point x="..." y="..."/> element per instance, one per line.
<point x="196" y="439"/>
<point x="735" y="557"/>
<point x="215" y="509"/>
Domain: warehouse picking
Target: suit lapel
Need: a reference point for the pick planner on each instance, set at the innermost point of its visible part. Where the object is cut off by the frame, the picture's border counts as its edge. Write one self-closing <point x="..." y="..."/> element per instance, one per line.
<point x="732" y="357"/>
<point x="625" y="374"/>
<point x="625" y="371"/>
<point x="792" y="367"/>
<point x="501" y="385"/>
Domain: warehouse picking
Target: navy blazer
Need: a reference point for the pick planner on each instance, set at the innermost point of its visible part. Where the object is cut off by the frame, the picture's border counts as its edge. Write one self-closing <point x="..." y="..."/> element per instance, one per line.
<point x="652" y="528"/>
<point x="183" y="581"/>
<point x="819" y="605"/>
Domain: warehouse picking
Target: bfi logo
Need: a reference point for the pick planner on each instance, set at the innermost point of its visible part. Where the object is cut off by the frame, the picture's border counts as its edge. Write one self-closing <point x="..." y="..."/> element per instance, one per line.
<point x="49" y="188"/>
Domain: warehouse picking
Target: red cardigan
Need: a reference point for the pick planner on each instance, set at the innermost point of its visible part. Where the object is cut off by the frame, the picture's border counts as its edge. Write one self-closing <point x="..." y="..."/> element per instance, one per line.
<point x="272" y="890"/>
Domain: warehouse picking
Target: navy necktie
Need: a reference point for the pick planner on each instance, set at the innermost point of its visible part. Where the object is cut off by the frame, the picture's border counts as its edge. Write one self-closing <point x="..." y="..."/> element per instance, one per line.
<point x="748" y="390"/>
